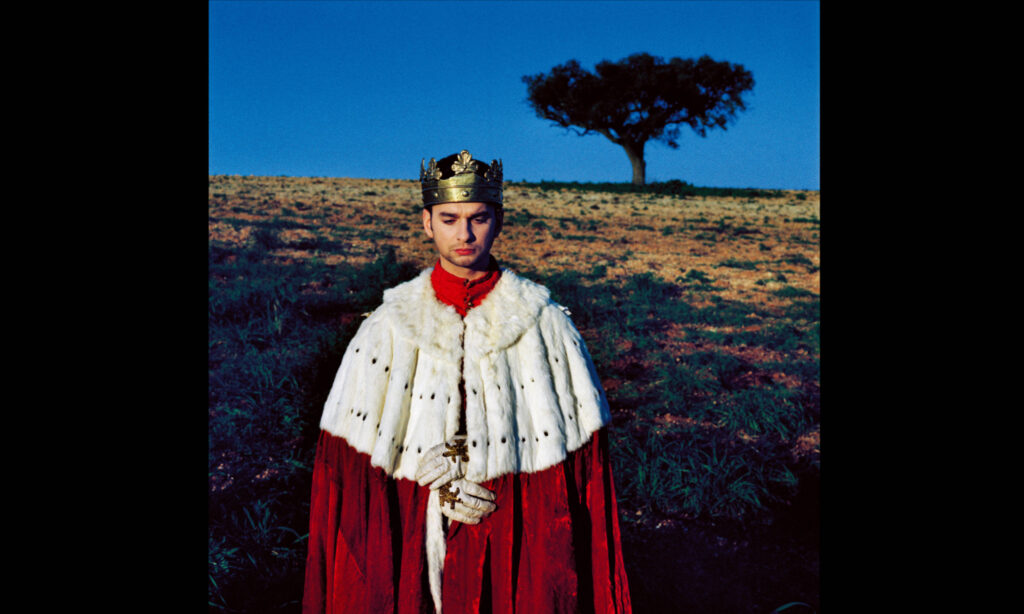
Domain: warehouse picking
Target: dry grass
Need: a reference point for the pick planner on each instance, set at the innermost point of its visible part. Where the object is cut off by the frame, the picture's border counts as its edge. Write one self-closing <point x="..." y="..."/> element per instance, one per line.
<point x="565" y="230"/>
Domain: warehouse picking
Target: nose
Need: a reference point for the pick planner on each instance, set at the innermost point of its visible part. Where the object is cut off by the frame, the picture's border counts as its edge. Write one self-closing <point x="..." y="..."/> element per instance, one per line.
<point x="465" y="234"/>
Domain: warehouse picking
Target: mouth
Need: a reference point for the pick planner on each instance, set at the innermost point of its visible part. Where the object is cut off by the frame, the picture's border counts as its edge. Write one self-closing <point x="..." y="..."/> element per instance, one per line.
<point x="465" y="251"/>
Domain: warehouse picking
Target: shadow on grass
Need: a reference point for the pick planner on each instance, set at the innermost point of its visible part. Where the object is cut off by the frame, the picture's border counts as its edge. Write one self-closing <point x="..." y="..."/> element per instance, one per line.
<point x="712" y="521"/>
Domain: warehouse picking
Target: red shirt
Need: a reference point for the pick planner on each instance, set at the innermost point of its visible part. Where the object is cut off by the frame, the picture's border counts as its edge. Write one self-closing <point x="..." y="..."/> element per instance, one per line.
<point x="461" y="293"/>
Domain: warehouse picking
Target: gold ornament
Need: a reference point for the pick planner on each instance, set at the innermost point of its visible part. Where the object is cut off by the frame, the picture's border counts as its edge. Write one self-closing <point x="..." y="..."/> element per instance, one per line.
<point x="458" y="449"/>
<point x="431" y="172"/>
<point x="447" y="496"/>
<point x="464" y="163"/>
<point x="465" y="185"/>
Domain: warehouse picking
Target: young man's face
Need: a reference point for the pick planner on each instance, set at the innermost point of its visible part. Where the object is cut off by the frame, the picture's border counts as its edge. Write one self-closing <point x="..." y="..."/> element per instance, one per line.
<point x="463" y="234"/>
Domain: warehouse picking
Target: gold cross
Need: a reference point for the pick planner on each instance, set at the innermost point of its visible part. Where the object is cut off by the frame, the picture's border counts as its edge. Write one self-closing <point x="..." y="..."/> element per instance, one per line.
<point x="448" y="496"/>
<point x="457" y="450"/>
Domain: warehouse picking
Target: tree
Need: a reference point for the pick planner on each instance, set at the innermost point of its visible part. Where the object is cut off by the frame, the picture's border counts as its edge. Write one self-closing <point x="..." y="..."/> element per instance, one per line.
<point x="640" y="98"/>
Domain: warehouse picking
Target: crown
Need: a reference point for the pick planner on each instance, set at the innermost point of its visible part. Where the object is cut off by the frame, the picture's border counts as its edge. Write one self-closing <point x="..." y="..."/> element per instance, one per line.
<point x="466" y="184"/>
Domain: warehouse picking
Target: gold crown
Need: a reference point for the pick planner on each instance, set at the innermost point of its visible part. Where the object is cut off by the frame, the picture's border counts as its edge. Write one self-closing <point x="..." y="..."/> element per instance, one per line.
<point x="466" y="185"/>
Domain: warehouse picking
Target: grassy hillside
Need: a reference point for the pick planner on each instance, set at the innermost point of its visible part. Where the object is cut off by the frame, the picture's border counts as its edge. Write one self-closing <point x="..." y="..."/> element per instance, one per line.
<point x="700" y="308"/>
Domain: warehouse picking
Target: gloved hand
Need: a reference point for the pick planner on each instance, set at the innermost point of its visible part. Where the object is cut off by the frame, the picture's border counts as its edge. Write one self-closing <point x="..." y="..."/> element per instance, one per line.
<point x="443" y="463"/>
<point x="466" y="501"/>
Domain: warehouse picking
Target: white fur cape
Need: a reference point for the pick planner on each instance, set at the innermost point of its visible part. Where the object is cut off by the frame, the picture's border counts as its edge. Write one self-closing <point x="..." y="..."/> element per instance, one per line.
<point x="532" y="393"/>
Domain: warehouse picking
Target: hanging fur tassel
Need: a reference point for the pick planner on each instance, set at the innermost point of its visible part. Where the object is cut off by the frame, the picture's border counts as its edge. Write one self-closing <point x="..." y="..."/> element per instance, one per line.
<point x="435" y="547"/>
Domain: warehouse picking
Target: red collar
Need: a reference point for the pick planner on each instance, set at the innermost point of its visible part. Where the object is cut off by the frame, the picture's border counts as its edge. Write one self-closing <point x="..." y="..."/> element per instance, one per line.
<point x="461" y="293"/>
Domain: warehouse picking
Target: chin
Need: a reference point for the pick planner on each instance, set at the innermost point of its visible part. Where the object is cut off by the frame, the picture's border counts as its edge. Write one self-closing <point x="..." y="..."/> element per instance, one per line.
<point x="467" y="261"/>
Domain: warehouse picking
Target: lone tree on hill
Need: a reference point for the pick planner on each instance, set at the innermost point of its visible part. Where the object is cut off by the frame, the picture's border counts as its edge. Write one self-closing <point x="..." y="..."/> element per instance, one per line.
<point x="640" y="98"/>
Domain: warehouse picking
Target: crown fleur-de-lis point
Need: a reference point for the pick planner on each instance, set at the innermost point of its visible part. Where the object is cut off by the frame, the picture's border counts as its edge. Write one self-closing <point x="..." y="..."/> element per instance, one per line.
<point x="464" y="163"/>
<point x="432" y="172"/>
<point x="493" y="173"/>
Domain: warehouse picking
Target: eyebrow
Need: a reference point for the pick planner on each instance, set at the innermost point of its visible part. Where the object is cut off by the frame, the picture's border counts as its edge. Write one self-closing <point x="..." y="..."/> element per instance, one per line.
<point x="456" y="216"/>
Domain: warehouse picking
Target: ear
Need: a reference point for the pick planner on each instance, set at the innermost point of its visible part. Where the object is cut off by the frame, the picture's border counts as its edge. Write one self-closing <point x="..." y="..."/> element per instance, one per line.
<point x="426" y="223"/>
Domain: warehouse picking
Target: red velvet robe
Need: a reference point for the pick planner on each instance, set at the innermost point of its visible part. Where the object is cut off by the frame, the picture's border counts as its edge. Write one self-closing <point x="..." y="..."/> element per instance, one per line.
<point x="551" y="546"/>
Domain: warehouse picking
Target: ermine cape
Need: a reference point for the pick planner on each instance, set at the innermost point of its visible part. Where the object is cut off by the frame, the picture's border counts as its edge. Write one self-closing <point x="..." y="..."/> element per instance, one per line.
<point x="534" y="412"/>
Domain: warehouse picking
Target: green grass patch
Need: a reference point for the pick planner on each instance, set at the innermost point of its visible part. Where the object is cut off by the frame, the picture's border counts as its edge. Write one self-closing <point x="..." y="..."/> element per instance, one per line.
<point x="700" y="473"/>
<point x="275" y="342"/>
<point x="272" y="224"/>
<point x="792" y="292"/>
<point x="695" y="275"/>
<point x="574" y="237"/>
<point x="748" y="265"/>
<point x="798" y="259"/>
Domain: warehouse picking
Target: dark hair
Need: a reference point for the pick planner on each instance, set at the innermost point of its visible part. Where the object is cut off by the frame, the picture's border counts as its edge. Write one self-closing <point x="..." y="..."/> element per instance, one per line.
<point x="445" y="165"/>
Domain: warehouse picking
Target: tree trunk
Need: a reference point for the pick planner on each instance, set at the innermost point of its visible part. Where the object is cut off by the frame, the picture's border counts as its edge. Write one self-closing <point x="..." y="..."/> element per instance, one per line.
<point x="635" y="153"/>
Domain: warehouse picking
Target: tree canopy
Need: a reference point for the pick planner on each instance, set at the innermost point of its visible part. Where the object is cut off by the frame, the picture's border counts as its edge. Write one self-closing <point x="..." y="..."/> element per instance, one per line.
<point x="641" y="98"/>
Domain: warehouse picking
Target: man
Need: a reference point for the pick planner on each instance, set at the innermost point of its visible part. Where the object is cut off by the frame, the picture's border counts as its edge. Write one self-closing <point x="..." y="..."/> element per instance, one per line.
<point x="462" y="464"/>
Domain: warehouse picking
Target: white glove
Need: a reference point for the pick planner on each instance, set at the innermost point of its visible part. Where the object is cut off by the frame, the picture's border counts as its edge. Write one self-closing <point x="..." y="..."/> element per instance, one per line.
<point x="466" y="501"/>
<point x="442" y="464"/>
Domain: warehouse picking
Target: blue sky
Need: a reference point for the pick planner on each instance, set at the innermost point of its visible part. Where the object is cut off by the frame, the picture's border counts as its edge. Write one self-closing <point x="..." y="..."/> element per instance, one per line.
<point x="368" y="89"/>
